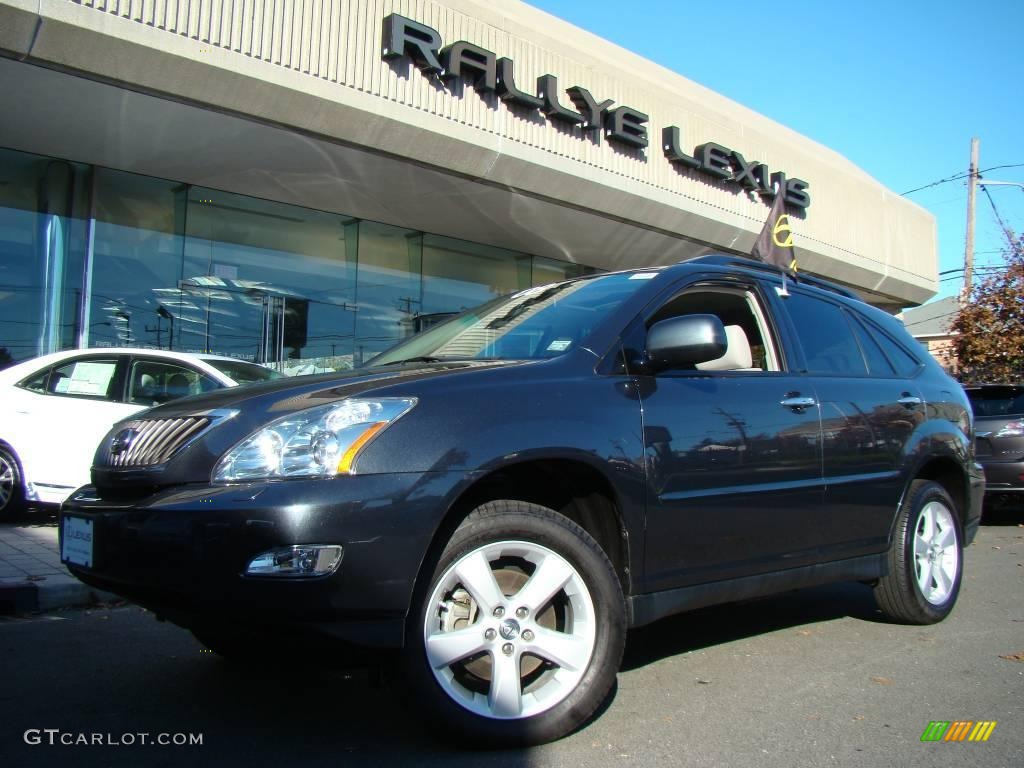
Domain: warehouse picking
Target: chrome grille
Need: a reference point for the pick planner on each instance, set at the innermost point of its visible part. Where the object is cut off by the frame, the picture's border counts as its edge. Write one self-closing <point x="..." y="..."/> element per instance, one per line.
<point x="154" y="440"/>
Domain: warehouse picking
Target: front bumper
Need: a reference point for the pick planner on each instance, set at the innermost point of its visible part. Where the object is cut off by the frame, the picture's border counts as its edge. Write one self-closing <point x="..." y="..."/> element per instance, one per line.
<point x="182" y="551"/>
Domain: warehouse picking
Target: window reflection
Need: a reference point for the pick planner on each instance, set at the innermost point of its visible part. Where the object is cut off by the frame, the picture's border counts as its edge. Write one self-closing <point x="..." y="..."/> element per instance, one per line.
<point x="42" y="241"/>
<point x="191" y="269"/>
<point x="267" y="282"/>
<point x="389" y="287"/>
<point x="137" y="249"/>
<point x="458" y="275"/>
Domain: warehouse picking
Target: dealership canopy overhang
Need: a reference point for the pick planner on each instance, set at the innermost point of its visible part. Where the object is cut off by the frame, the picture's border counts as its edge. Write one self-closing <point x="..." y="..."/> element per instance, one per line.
<point x="311" y="107"/>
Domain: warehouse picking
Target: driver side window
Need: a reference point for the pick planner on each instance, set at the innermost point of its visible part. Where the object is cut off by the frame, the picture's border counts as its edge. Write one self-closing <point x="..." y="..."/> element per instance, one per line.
<point x="749" y="343"/>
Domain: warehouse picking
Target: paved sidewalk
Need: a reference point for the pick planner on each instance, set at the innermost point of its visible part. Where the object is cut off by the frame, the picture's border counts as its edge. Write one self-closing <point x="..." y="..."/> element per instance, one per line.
<point x="32" y="577"/>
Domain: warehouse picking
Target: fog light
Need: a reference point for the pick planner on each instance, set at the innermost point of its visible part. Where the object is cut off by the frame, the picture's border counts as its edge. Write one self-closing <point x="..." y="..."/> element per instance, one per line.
<point x="297" y="561"/>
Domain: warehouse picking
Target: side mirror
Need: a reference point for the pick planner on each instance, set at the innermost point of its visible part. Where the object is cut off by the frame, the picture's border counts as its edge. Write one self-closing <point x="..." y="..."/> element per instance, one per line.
<point x="682" y="342"/>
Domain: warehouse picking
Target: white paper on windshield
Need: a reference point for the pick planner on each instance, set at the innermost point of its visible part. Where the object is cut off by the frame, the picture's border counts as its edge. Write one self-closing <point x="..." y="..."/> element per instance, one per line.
<point x="643" y="275"/>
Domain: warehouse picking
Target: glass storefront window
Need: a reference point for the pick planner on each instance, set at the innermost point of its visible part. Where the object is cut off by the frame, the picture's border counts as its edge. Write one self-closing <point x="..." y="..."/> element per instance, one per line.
<point x="551" y="271"/>
<point x="458" y="275"/>
<point x="42" y="242"/>
<point x="137" y="248"/>
<point x="266" y="282"/>
<point x="389" y="287"/>
<point x="190" y="269"/>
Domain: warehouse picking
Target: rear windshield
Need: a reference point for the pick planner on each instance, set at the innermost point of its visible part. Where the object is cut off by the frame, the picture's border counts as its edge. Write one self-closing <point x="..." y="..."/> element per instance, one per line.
<point x="243" y="372"/>
<point x="997" y="401"/>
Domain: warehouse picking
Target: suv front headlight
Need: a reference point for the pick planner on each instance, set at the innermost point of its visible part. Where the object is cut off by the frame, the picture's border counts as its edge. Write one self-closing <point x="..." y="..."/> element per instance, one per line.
<point x="317" y="442"/>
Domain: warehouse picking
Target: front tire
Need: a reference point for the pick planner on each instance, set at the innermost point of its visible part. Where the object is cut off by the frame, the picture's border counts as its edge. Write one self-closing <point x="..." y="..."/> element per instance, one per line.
<point x="925" y="559"/>
<point x="518" y="633"/>
<point x="12" y="486"/>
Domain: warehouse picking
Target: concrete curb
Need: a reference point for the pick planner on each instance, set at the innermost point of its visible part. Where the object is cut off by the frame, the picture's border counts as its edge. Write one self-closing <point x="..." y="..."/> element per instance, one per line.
<point x="47" y="593"/>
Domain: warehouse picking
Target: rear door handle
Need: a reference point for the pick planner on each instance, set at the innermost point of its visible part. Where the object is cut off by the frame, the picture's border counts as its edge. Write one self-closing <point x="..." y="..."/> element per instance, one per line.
<point x="798" y="403"/>
<point x="909" y="401"/>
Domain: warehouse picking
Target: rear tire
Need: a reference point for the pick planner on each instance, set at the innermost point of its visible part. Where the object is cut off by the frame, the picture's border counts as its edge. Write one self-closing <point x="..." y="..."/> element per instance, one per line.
<point x="12" y="486"/>
<point x="516" y="636"/>
<point x="925" y="559"/>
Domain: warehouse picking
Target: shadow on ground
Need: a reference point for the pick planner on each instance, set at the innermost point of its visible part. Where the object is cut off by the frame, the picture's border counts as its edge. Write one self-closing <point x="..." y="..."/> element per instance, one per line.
<point x="37" y="514"/>
<point x="734" y="621"/>
<point x="1004" y="512"/>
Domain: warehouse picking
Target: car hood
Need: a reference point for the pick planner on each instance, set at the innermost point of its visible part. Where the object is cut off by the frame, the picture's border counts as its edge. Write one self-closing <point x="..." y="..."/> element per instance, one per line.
<point x="238" y="412"/>
<point x="282" y="396"/>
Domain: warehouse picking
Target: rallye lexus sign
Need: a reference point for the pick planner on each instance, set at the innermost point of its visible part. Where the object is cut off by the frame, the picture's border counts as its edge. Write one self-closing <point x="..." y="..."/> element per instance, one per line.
<point x="622" y="125"/>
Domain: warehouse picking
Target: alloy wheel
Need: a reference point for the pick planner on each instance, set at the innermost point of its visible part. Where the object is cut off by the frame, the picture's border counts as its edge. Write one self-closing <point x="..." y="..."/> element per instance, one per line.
<point x="936" y="555"/>
<point x="8" y="480"/>
<point x="511" y="630"/>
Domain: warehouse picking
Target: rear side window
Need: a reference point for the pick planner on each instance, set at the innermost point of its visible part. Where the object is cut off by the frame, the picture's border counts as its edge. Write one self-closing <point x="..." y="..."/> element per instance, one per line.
<point x="92" y="378"/>
<point x="905" y="363"/>
<point x="827" y="339"/>
<point x="878" y="363"/>
<point x="153" y="382"/>
<point x="37" y="383"/>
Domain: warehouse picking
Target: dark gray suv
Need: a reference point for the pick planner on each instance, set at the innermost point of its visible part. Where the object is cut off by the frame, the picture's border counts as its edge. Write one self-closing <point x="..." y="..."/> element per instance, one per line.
<point x="999" y="443"/>
<point x="500" y="498"/>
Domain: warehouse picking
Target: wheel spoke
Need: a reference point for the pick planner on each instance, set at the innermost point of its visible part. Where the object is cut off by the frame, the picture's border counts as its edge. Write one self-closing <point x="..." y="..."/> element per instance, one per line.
<point x="949" y="565"/>
<point x="921" y="546"/>
<point x="924" y="575"/>
<point x="505" y="698"/>
<point x="942" y="583"/>
<point x="945" y="537"/>
<point x="477" y="577"/>
<point x="550" y="576"/>
<point x="565" y="650"/>
<point x="6" y="482"/>
<point x="446" y="648"/>
<point x="926" y="528"/>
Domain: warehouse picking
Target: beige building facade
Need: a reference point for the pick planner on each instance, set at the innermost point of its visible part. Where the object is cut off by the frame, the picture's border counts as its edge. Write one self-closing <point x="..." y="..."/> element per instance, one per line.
<point x="506" y="147"/>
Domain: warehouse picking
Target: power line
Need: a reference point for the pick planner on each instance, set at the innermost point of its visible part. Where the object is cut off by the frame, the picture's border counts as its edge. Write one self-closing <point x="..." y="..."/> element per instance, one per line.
<point x="959" y="176"/>
<point x="1002" y="224"/>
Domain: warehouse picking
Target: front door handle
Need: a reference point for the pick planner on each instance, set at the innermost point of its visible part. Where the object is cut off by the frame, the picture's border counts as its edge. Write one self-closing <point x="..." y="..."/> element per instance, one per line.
<point x="909" y="401"/>
<point x="798" y="403"/>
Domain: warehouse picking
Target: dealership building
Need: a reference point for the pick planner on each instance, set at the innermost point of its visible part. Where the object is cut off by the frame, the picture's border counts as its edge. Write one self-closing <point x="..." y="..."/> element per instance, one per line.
<point x="312" y="180"/>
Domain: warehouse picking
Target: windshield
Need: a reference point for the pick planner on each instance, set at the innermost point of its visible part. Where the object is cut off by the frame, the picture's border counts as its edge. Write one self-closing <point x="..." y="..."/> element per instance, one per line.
<point x="537" y="323"/>
<point x="997" y="401"/>
<point x="241" y="371"/>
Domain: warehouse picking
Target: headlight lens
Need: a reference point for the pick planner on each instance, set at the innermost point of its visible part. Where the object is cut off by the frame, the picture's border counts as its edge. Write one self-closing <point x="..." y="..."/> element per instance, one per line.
<point x="318" y="442"/>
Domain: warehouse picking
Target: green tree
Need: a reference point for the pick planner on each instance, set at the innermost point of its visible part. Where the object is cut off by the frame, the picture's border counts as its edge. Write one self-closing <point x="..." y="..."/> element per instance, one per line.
<point x="989" y="328"/>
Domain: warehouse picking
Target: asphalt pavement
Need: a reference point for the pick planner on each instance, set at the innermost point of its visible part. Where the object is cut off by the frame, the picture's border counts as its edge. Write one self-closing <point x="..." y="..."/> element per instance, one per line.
<point x="809" y="678"/>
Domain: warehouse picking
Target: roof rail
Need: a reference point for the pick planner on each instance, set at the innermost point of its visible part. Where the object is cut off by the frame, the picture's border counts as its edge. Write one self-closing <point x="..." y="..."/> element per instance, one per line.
<point x="721" y="259"/>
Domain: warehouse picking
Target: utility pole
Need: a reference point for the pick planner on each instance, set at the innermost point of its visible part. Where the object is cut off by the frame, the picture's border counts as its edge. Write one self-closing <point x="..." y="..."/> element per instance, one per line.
<point x="972" y="184"/>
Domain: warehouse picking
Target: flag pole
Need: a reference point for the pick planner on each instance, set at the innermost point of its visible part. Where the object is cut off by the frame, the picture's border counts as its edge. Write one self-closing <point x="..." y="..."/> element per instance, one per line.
<point x="775" y="243"/>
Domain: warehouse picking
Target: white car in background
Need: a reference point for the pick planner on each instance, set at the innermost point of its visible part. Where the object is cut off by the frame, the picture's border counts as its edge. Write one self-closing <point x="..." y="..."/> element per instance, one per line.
<point x="55" y="409"/>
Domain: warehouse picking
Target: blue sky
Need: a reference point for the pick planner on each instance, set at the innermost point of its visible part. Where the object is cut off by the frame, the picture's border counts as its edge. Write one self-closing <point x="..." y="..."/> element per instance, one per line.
<point x="899" y="87"/>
